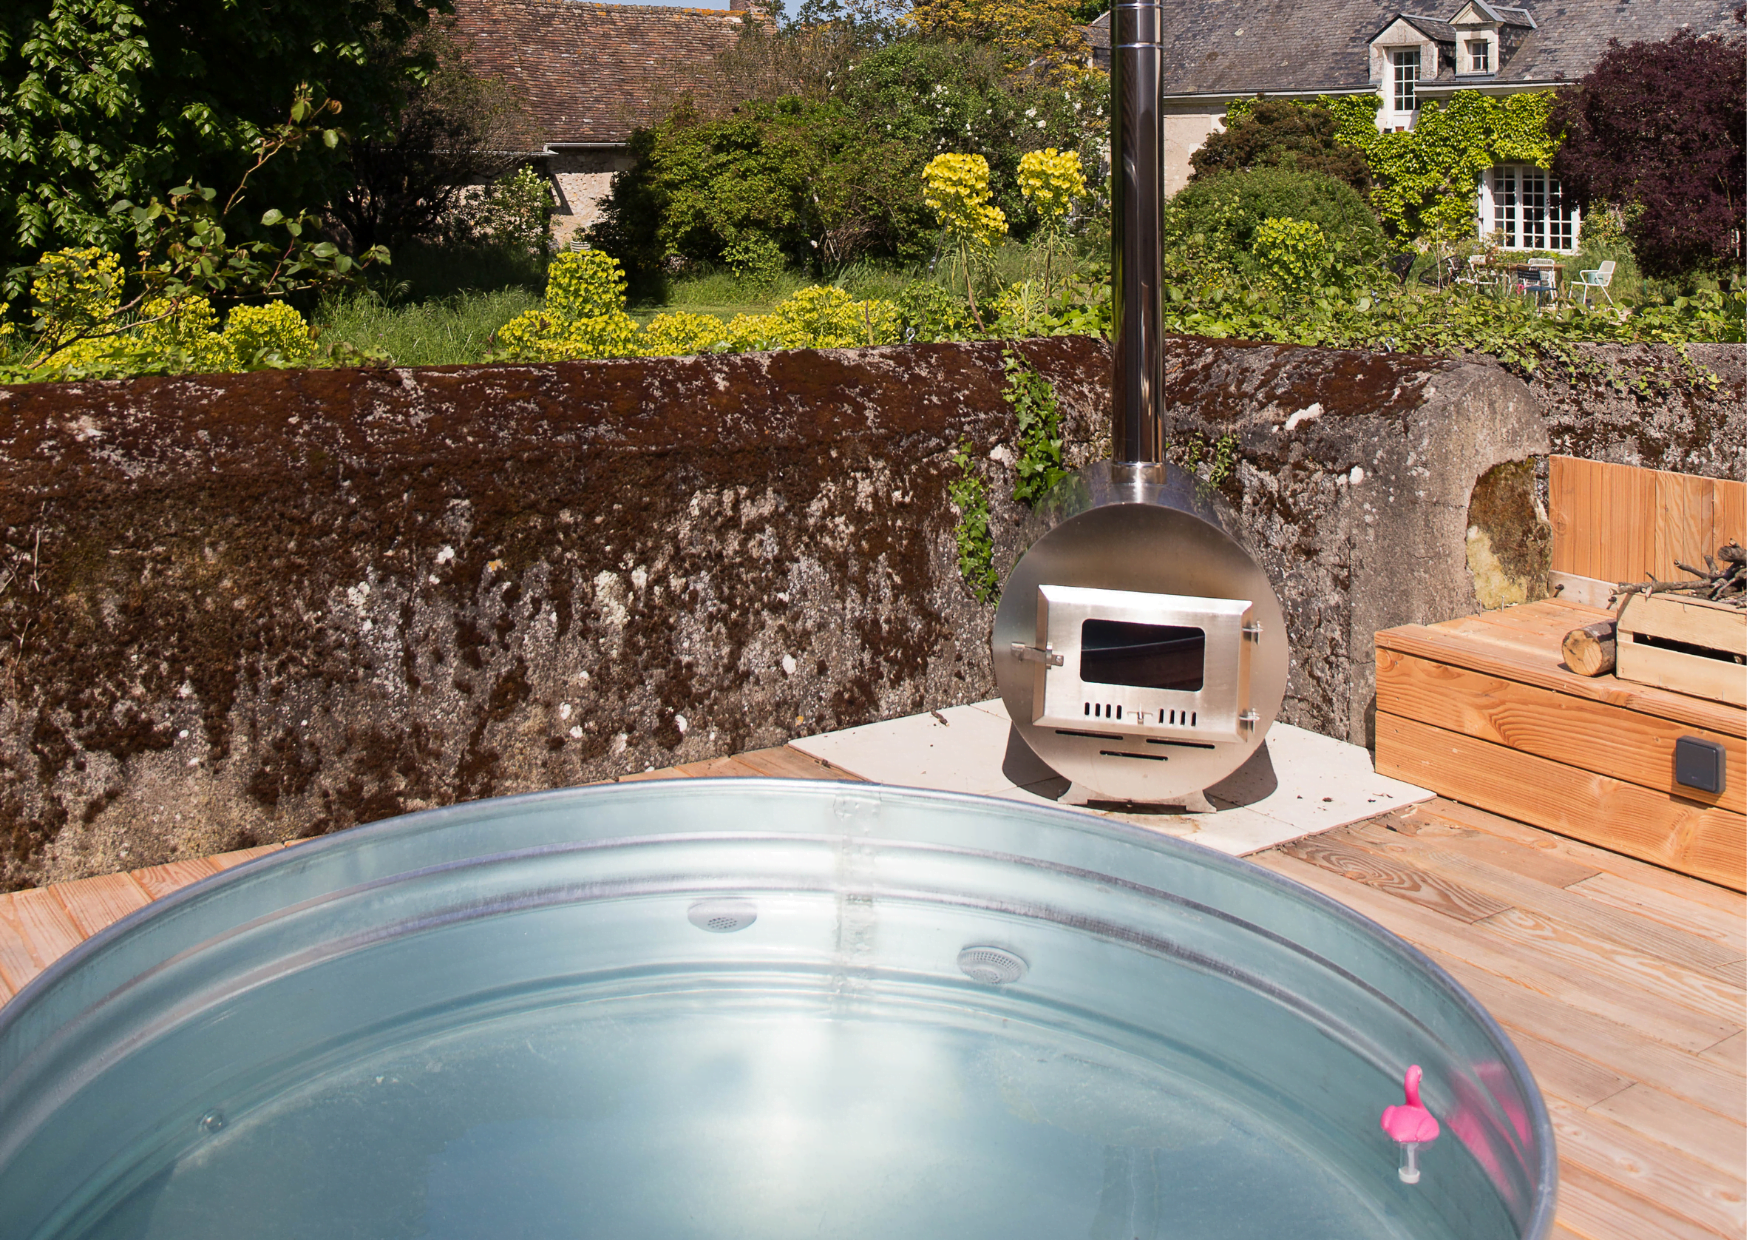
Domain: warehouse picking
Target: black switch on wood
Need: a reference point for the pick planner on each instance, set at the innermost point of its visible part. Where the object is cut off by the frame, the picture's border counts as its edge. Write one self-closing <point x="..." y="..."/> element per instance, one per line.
<point x="1699" y="764"/>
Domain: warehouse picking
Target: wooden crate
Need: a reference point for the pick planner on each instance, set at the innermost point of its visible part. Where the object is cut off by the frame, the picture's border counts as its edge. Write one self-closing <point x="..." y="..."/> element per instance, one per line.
<point x="1687" y="645"/>
<point x="1484" y="711"/>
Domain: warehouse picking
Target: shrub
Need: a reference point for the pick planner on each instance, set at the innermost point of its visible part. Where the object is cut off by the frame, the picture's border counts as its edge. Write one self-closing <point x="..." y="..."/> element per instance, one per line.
<point x="956" y="187"/>
<point x="513" y="212"/>
<point x="927" y="312"/>
<point x="584" y="314"/>
<point x="179" y="336"/>
<point x="1659" y="126"/>
<point x="270" y="335"/>
<point x="1294" y="252"/>
<point x="756" y="260"/>
<point x="681" y="332"/>
<point x="1280" y="133"/>
<point x="834" y="174"/>
<point x="1228" y="210"/>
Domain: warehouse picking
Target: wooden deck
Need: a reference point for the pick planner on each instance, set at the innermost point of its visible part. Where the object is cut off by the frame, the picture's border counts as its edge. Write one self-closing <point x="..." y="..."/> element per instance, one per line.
<point x="1621" y="983"/>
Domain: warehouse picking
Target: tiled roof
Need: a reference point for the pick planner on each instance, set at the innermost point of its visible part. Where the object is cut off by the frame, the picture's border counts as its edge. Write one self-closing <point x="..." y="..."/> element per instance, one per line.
<point x="1240" y="46"/>
<point x="1432" y="27"/>
<point x="592" y="72"/>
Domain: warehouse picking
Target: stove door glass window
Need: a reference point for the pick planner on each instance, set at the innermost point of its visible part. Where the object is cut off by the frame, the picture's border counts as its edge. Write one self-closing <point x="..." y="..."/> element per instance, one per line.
<point x="1142" y="656"/>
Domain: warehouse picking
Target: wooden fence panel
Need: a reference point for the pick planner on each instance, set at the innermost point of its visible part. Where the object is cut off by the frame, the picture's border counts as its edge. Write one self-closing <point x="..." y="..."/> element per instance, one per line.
<point x="1623" y="523"/>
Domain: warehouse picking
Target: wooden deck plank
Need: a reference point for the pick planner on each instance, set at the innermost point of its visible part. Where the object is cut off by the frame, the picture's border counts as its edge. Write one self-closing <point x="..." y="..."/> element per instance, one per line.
<point x="1731" y="1052"/>
<point x="1541" y="864"/>
<point x="786" y="763"/>
<point x="1660" y="906"/>
<point x="1657" y="979"/>
<point x="1599" y="1209"/>
<point x="160" y="880"/>
<point x="1649" y="1169"/>
<point x="1608" y="996"/>
<point x="1700" y="1133"/>
<point x="1644" y="873"/>
<point x="1594" y="736"/>
<point x="1683" y="835"/>
<point x="1405" y="881"/>
<point x="717" y="768"/>
<point x="1609" y="1044"/>
<point x="1543" y="667"/>
<point x="17" y="965"/>
<point x="1588" y="917"/>
<point x="1566" y="1074"/>
<point x="94" y="903"/>
<point x="42" y="924"/>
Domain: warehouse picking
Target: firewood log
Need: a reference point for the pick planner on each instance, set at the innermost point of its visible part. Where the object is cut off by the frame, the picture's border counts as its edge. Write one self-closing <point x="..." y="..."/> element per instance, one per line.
<point x="1589" y="651"/>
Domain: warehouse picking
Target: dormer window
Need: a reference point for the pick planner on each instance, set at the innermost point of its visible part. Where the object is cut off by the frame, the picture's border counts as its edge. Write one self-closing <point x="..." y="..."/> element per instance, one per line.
<point x="1407" y="64"/>
<point x="1479" y="60"/>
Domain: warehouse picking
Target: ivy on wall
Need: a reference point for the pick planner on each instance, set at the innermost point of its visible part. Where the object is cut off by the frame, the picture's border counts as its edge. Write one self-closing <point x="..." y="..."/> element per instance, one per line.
<point x="1427" y="177"/>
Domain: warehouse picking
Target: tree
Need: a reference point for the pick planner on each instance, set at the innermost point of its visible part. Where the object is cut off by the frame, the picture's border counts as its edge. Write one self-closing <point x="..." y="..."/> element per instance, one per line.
<point x="1278" y="133"/>
<point x="1658" y="128"/>
<point x="409" y="165"/>
<point x="103" y="100"/>
<point x="1030" y="34"/>
<point x="837" y="172"/>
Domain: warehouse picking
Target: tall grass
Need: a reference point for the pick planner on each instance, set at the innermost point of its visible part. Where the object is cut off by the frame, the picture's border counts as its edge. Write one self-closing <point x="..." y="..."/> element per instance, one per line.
<point x="441" y="331"/>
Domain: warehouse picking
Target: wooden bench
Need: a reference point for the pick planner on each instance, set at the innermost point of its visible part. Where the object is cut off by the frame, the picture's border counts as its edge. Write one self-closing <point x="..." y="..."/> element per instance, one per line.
<point x="1485" y="711"/>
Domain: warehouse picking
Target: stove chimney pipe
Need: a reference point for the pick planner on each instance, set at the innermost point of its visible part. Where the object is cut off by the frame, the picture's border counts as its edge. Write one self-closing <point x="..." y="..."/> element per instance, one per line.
<point x="1137" y="202"/>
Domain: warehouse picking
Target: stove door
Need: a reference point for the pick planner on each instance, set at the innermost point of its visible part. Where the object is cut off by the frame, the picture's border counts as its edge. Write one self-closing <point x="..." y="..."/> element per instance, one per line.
<point x="1170" y="668"/>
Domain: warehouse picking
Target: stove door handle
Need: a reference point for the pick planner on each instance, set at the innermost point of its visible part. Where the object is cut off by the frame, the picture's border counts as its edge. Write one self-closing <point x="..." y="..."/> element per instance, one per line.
<point x="1031" y="654"/>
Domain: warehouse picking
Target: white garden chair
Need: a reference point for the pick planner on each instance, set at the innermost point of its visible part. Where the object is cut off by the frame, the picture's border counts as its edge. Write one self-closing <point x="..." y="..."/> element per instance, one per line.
<point x="1598" y="279"/>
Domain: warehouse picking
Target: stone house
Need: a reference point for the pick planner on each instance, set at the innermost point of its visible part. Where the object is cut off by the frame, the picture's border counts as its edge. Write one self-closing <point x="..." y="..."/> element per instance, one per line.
<point x="589" y="74"/>
<point x="1218" y="51"/>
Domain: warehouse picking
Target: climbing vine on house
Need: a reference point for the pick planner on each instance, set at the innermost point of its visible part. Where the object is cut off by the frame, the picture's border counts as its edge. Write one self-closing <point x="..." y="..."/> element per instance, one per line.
<point x="1427" y="176"/>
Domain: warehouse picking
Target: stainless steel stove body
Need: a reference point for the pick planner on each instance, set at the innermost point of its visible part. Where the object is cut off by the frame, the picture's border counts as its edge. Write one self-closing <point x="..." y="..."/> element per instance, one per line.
<point x="1139" y="649"/>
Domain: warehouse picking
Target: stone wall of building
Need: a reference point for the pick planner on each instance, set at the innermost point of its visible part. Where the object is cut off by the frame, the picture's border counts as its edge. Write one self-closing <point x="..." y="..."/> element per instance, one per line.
<point x="581" y="181"/>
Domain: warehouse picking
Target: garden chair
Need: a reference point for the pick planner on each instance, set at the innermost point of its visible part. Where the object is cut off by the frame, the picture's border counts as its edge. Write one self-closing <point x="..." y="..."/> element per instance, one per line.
<point x="1477" y="273"/>
<point x="1598" y="279"/>
<point x="1546" y="284"/>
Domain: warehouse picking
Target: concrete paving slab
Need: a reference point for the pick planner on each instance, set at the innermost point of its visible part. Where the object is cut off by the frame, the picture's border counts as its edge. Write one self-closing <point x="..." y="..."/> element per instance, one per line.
<point x="1298" y="783"/>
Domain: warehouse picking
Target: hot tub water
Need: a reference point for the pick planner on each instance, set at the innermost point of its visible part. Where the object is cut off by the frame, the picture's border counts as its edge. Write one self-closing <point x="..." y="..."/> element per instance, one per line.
<point x="936" y="1016"/>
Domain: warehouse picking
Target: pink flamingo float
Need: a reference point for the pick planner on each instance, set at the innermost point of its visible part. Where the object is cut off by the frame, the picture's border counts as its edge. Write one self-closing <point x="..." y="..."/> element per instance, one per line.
<point x="1410" y="1126"/>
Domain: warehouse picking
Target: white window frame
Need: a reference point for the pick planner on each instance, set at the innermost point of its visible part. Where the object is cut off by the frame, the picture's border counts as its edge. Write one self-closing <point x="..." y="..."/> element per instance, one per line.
<point x="1521" y="207"/>
<point x="1398" y="62"/>
<point x="1486" y="54"/>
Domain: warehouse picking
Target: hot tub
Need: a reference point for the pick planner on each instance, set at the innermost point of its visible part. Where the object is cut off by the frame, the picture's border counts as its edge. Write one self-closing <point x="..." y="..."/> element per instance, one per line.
<point x="754" y="1009"/>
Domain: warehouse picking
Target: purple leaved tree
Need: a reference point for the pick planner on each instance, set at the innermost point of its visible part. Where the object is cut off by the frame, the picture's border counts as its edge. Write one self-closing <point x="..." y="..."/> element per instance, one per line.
<point x="1659" y="127"/>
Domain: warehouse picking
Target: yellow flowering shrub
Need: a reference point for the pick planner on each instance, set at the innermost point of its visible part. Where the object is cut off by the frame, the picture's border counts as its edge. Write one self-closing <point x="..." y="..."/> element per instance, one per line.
<point x="1051" y="181"/>
<point x="584" y="314"/>
<point x="814" y="318"/>
<point x="753" y="333"/>
<point x="184" y="335"/>
<point x="271" y="334"/>
<point x="76" y="289"/>
<point x="956" y="189"/>
<point x="680" y="332"/>
<point x="1020" y="308"/>
<point x="828" y="318"/>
